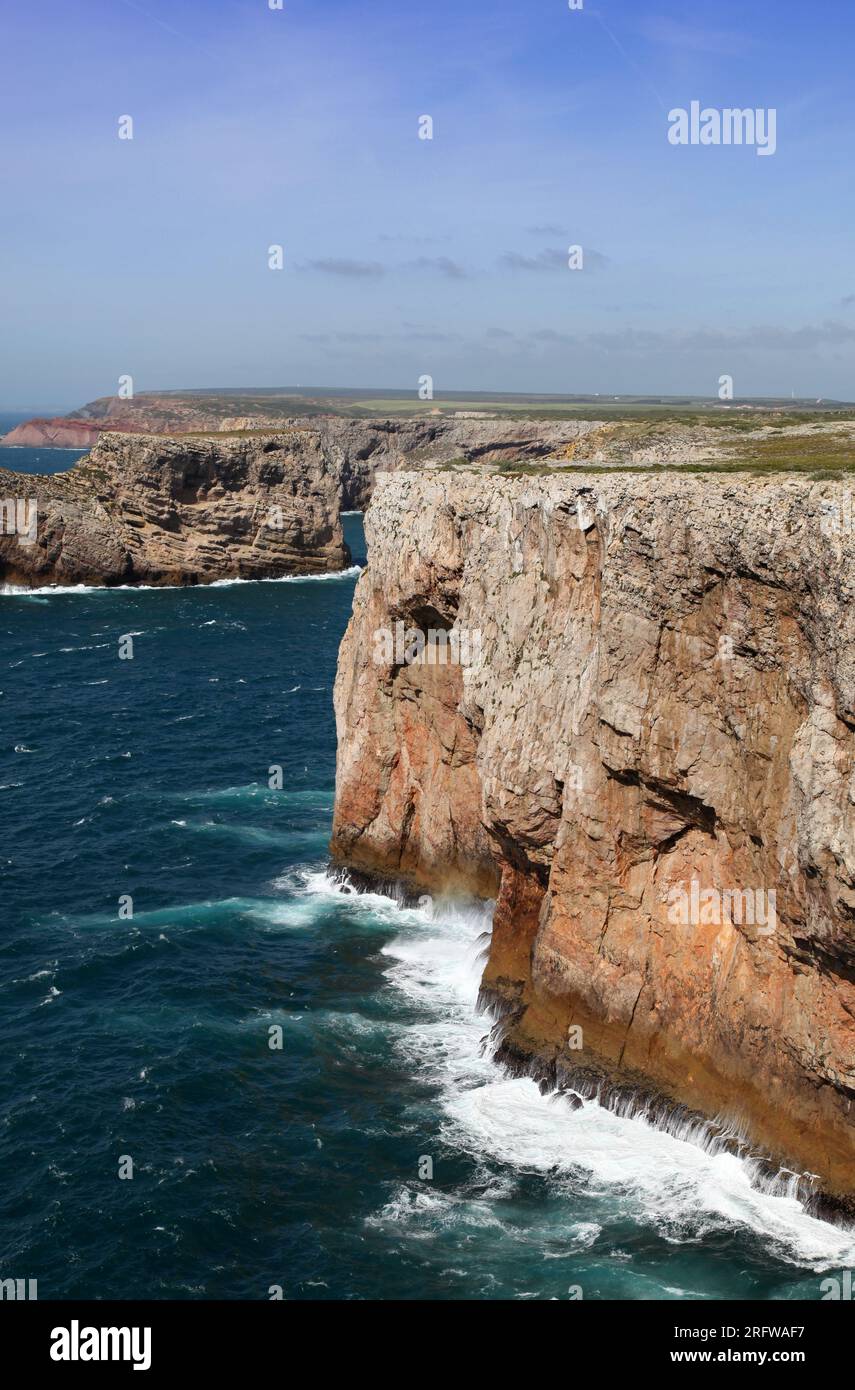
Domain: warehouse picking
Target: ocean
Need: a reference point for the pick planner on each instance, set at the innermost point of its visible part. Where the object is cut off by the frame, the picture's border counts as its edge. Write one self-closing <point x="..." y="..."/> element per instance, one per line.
<point x="378" y="1152"/>
<point x="24" y="459"/>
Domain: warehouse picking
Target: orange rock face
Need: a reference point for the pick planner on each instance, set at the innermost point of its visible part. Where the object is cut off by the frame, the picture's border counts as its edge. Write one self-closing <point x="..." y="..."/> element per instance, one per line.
<point x="650" y="764"/>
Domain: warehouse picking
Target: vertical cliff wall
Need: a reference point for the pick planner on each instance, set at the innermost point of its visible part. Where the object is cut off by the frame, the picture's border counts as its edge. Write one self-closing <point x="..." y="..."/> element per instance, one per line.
<point x="652" y="748"/>
<point x="141" y="509"/>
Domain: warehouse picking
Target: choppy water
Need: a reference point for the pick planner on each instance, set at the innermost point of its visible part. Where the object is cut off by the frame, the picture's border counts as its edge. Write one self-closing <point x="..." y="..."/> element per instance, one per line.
<point x="148" y="1036"/>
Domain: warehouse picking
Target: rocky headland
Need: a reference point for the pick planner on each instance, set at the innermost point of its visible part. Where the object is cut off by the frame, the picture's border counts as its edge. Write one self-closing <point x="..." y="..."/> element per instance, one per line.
<point x="54" y="433"/>
<point x="149" y="510"/>
<point x="192" y="508"/>
<point x="652" y="746"/>
<point x="362" y="441"/>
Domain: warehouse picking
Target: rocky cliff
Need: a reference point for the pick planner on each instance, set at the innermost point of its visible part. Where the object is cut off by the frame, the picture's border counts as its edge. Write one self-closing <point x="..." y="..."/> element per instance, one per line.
<point x="648" y="760"/>
<point x="147" y="510"/>
<point x="355" y="448"/>
<point x="190" y="509"/>
<point x="56" y="433"/>
<point x="359" y="450"/>
<point x="360" y="446"/>
<point x="143" y="413"/>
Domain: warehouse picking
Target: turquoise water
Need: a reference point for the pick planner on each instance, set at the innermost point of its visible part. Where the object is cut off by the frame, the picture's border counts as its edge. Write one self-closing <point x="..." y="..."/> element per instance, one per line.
<point x="148" y="1036"/>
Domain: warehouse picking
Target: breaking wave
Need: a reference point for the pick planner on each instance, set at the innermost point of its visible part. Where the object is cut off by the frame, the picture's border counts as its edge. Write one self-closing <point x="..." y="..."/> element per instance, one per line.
<point x="673" y="1181"/>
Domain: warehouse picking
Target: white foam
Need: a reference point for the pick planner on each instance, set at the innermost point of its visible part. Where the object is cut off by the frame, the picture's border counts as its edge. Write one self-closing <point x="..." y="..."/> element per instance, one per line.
<point x="292" y="915"/>
<point x="652" y="1176"/>
<point x="348" y="573"/>
<point x="55" y="590"/>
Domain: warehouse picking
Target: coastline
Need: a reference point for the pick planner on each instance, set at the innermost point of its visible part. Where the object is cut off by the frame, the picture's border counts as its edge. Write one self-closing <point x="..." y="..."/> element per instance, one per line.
<point x="623" y="1091"/>
<point x="600" y="752"/>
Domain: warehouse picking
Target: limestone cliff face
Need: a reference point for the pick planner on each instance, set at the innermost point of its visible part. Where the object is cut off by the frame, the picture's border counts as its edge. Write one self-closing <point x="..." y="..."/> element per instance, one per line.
<point x="362" y="449"/>
<point x="664" y="696"/>
<point x="185" y="509"/>
<point x="355" y="449"/>
<point x="146" y="510"/>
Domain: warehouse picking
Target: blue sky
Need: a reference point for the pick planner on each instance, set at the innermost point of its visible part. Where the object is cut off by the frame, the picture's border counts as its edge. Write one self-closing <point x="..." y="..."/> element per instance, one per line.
<point x="299" y="127"/>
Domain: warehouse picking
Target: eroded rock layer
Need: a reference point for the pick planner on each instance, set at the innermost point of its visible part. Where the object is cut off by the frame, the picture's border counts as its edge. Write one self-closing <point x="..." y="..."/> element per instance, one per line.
<point x="148" y="510"/>
<point x="661" y="713"/>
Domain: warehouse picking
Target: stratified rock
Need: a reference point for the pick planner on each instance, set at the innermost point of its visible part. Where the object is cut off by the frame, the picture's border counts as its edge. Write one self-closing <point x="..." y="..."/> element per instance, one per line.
<point x="145" y="510"/>
<point x="665" y="693"/>
<point x="357" y="449"/>
<point x="362" y="449"/>
<point x="57" y="433"/>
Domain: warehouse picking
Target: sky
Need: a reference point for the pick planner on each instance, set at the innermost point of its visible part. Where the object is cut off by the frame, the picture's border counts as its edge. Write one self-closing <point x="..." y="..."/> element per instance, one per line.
<point x="256" y="127"/>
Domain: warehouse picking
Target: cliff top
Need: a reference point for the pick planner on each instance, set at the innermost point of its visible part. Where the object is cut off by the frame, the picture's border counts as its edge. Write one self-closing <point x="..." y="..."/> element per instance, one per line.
<point x="820" y="444"/>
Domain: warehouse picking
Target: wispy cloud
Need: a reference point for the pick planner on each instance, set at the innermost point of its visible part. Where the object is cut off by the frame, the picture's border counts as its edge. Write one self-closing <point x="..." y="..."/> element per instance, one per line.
<point x="550" y="335"/>
<point x="361" y="270"/>
<point x="771" y="338"/>
<point x="551" y="258"/>
<point x="759" y="338"/>
<point x="660" y="29"/>
<point x="426" y="335"/>
<point x="411" y="238"/>
<point x="355" y="270"/>
<point x="443" y="264"/>
<point x="642" y="341"/>
<point x="544" y="260"/>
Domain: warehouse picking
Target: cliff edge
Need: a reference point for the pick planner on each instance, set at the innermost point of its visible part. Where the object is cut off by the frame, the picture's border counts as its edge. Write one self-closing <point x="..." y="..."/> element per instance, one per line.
<point x="148" y="510"/>
<point x="646" y="756"/>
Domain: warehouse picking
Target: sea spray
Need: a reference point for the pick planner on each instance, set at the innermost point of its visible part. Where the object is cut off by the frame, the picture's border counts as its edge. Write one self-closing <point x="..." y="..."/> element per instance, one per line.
<point x="678" y="1173"/>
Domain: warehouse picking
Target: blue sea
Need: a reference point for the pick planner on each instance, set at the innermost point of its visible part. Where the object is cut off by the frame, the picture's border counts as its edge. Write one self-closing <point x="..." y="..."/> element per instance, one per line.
<point x="379" y="1152"/>
<point x="23" y="459"/>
